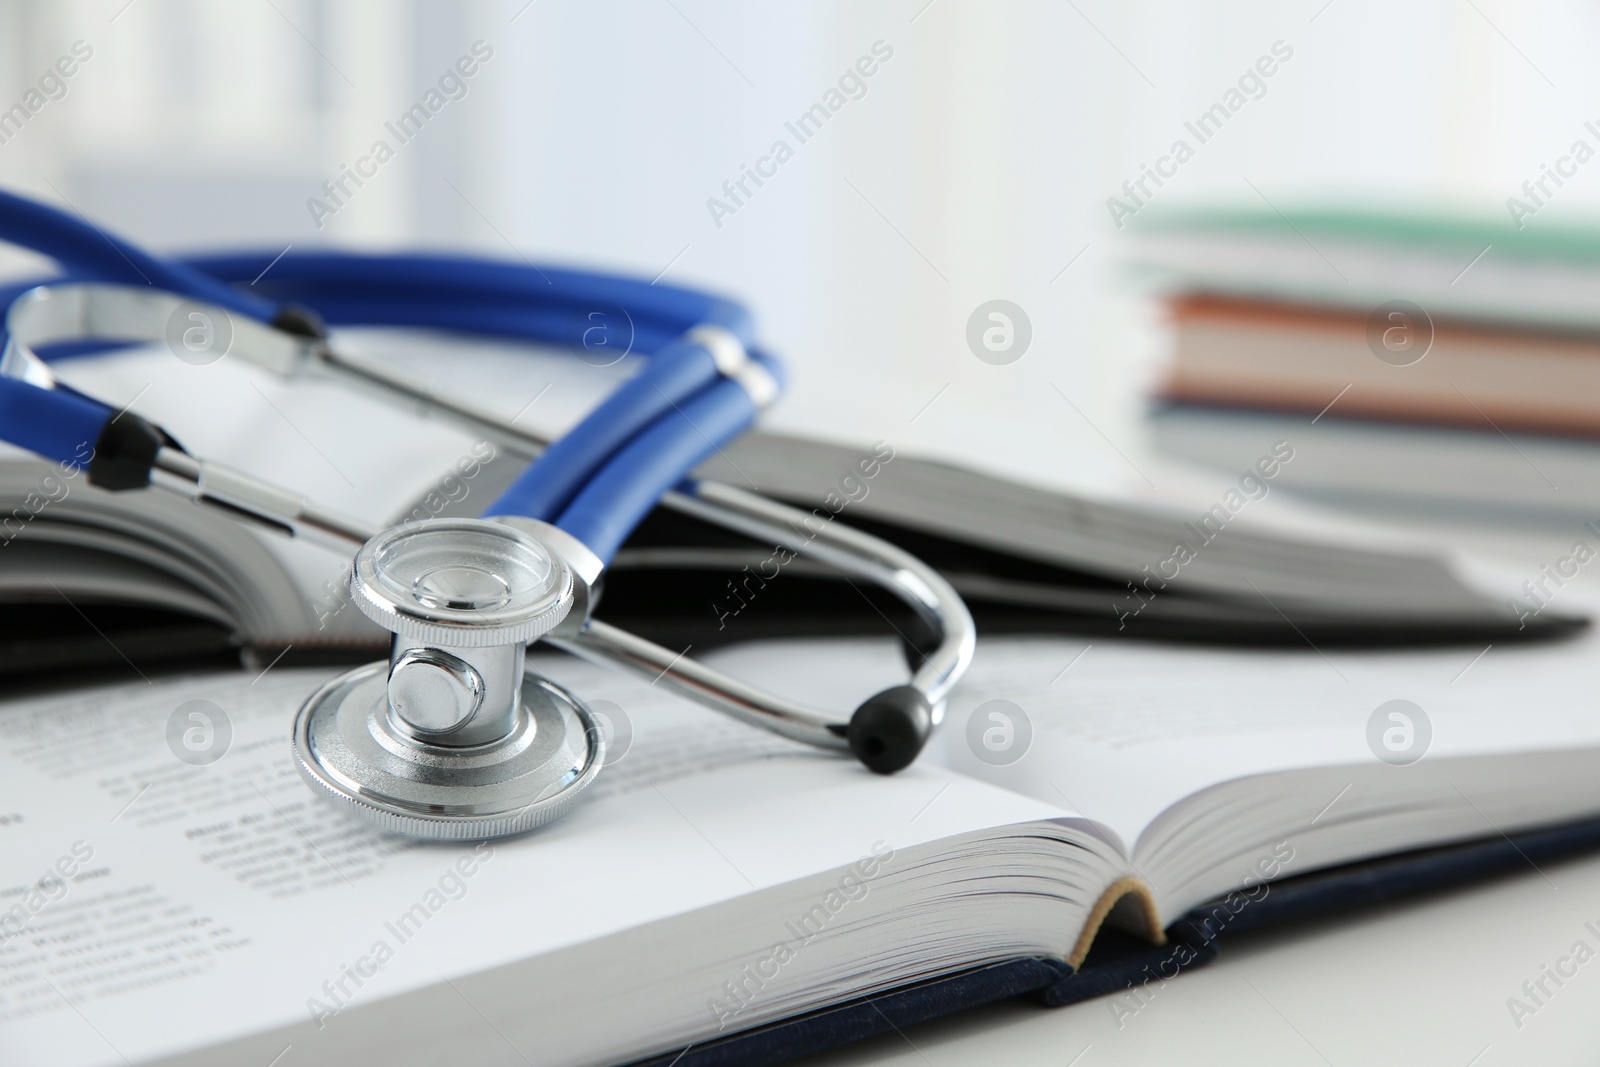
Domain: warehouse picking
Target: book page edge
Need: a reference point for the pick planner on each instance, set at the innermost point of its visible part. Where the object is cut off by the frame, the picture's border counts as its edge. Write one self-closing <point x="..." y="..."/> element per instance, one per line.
<point x="1139" y="896"/>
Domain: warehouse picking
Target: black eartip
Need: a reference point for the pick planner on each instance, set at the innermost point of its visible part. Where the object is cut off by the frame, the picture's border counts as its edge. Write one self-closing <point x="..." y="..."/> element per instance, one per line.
<point x="125" y="452"/>
<point x="888" y="731"/>
<point x="300" y="321"/>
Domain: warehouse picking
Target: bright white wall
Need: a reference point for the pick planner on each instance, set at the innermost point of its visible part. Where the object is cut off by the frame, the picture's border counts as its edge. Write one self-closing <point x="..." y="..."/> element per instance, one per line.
<point x="977" y="165"/>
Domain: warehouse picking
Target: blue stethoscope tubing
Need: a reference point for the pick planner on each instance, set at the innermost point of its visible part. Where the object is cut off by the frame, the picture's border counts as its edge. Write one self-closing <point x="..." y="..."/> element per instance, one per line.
<point x="700" y="384"/>
<point x="596" y="483"/>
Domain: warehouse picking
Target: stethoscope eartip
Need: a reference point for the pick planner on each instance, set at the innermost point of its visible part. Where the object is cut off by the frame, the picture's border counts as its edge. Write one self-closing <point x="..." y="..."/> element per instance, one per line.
<point x="887" y="732"/>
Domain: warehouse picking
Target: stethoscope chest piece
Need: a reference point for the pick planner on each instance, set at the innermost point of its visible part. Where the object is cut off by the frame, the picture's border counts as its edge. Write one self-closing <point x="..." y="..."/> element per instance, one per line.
<point x="453" y="738"/>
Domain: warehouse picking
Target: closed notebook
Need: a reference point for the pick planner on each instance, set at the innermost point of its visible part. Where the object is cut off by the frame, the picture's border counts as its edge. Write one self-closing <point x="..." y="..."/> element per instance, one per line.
<point x="1417" y="317"/>
<point x="1543" y="275"/>
<point x="1394" y="362"/>
<point x="159" y="905"/>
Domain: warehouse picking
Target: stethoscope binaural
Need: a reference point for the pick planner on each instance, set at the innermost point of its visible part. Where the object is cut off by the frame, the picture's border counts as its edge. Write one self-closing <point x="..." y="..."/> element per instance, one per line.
<point x="453" y="737"/>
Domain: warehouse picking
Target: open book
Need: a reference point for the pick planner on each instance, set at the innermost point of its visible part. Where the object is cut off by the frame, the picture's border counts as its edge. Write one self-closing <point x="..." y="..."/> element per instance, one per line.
<point x="171" y="893"/>
<point x="101" y="579"/>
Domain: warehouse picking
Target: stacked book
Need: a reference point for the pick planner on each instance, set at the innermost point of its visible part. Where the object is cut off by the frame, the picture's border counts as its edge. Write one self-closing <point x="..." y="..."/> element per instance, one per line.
<point x="1414" y="360"/>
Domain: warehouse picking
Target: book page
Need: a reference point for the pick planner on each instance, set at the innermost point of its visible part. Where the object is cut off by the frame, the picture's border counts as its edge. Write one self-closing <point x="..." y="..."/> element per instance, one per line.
<point x="1125" y="730"/>
<point x="153" y="899"/>
<point x="1120" y="731"/>
<point x="340" y="446"/>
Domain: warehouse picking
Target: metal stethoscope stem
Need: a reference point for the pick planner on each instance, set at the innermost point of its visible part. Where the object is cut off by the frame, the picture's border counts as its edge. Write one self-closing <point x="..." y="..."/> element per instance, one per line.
<point x="52" y="314"/>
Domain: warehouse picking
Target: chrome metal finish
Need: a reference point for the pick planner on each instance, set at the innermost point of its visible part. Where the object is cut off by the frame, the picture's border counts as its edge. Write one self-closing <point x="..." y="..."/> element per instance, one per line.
<point x="416" y="393"/>
<point x="68" y="312"/>
<point x="854" y="552"/>
<point x="727" y="351"/>
<point x="256" y="500"/>
<point x="463" y="597"/>
<point x="847" y="549"/>
<point x="460" y="583"/>
<point x="584" y="566"/>
<point x="433" y="692"/>
<point x="616" y="648"/>
<point x="347" y="749"/>
<point x="455" y="696"/>
<point x="52" y="313"/>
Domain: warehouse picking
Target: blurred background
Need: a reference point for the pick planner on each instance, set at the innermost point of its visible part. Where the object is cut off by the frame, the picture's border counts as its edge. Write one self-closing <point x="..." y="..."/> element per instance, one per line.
<point x="977" y="162"/>
<point x="1369" y="159"/>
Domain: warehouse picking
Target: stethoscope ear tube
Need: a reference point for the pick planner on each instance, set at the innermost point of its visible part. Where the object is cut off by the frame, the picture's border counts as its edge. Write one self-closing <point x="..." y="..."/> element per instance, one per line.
<point x="90" y="253"/>
<point x="885" y="733"/>
<point x="59" y="425"/>
<point x="454" y="737"/>
<point x="858" y="553"/>
<point x="456" y="692"/>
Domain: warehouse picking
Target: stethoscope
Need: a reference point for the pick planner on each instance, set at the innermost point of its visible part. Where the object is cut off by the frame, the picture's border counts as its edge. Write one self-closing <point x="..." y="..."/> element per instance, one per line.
<point x="454" y="737"/>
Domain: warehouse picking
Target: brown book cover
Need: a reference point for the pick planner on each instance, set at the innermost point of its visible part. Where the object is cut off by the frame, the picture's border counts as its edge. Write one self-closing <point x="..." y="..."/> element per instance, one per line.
<point x="1393" y="363"/>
